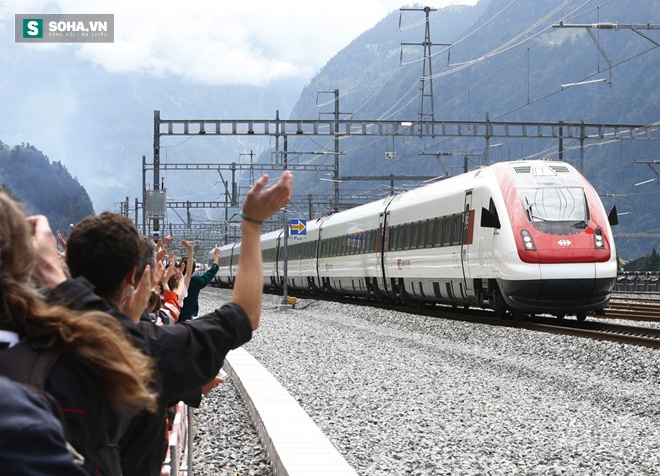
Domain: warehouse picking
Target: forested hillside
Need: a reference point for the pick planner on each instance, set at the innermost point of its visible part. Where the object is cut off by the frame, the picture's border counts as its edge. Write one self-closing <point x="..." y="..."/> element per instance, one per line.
<point x="44" y="187"/>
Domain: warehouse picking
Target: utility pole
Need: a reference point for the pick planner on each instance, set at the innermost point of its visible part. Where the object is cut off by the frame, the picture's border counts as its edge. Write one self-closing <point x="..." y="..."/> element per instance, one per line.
<point x="336" y="172"/>
<point x="156" y="227"/>
<point x="284" y="303"/>
<point x="427" y="68"/>
<point x="251" y="155"/>
<point x="336" y="135"/>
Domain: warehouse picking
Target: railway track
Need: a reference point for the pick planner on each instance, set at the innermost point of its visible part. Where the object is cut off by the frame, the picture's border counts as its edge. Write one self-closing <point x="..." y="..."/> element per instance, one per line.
<point x="634" y="309"/>
<point x="635" y="335"/>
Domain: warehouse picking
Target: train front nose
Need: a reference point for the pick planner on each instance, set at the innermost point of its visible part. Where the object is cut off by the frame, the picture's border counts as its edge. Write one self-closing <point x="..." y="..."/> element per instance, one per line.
<point x="565" y="288"/>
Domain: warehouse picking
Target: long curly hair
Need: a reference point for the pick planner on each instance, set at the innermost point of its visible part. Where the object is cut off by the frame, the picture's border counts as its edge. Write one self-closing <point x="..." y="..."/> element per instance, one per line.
<point x="96" y="340"/>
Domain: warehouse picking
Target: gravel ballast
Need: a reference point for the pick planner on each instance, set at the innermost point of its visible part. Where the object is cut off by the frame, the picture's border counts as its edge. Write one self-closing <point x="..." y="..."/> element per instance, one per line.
<point x="399" y="394"/>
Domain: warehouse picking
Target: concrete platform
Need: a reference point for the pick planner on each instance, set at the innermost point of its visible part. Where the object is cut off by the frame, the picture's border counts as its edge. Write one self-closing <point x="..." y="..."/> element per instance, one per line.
<point x="293" y="442"/>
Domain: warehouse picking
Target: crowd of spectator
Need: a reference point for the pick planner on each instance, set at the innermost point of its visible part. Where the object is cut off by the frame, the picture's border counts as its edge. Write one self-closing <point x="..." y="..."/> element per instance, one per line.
<point x="100" y="341"/>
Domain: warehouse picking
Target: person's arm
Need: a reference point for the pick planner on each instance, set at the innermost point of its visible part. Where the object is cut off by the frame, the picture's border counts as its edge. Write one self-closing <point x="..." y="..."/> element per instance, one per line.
<point x="210" y="273"/>
<point x="190" y="264"/>
<point x="169" y="272"/>
<point x="136" y="303"/>
<point x="61" y="240"/>
<point x="166" y="242"/>
<point x="48" y="268"/>
<point x="259" y="205"/>
<point x="180" y="287"/>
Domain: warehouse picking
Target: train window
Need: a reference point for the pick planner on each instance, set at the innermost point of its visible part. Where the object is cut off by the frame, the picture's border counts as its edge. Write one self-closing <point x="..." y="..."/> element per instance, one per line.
<point x="406" y="239"/>
<point x="371" y="241"/>
<point x="456" y="229"/>
<point x="423" y="228"/>
<point x="430" y="233"/>
<point x="414" y="235"/>
<point x="438" y="231"/>
<point x="556" y="210"/>
<point x="360" y="242"/>
<point x="357" y="243"/>
<point x="446" y="231"/>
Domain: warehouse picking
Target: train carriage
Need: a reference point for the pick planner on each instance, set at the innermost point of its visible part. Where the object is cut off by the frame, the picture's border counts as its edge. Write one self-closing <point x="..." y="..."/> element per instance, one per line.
<point x="301" y="258"/>
<point x="226" y="265"/>
<point x="270" y="243"/>
<point x="348" y="256"/>
<point x="430" y="232"/>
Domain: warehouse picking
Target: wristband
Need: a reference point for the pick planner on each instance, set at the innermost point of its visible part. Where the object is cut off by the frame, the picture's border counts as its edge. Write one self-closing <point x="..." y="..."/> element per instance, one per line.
<point x="245" y="217"/>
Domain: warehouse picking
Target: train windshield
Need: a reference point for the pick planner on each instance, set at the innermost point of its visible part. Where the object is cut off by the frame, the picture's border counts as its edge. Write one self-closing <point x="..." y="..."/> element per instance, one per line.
<point x="556" y="210"/>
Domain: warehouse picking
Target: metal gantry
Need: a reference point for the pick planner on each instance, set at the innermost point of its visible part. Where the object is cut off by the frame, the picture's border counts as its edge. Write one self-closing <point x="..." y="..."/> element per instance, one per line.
<point x="340" y="128"/>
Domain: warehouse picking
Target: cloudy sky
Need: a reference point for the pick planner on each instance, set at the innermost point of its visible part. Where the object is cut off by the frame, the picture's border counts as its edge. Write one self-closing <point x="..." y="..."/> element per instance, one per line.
<point x="222" y="41"/>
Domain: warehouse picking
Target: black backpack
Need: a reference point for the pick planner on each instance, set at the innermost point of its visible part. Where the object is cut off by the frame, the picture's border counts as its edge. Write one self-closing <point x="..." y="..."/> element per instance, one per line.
<point x="30" y="367"/>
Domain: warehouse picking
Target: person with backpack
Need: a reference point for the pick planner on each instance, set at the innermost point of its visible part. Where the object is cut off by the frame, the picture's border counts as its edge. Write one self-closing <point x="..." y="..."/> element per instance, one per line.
<point x="79" y="363"/>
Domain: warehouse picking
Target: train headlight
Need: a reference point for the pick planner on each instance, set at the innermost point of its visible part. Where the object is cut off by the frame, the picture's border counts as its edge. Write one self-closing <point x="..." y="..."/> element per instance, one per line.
<point x="528" y="242"/>
<point x="599" y="242"/>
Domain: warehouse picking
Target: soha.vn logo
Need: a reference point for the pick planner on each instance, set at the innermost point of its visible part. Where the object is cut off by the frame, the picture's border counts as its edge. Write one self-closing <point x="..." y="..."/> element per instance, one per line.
<point x="33" y="28"/>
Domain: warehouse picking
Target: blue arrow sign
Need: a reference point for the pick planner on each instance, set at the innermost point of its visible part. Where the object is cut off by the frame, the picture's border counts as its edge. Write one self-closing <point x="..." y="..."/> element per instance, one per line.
<point x="298" y="227"/>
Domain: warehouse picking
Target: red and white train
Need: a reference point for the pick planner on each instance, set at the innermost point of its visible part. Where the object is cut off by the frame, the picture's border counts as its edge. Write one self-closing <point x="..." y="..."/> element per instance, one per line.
<point x="523" y="237"/>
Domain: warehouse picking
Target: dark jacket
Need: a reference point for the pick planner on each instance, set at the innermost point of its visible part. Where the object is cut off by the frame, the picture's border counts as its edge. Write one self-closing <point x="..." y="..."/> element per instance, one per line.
<point x="91" y="424"/>
<point x="187" y="355"/>
<point x="32" y="441"/>
<point x="191" y="303"/>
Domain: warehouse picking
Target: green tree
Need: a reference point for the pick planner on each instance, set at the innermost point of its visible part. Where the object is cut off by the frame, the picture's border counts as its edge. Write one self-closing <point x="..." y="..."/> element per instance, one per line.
<point x="43" y="187"/>
<point x="650" y="262"/>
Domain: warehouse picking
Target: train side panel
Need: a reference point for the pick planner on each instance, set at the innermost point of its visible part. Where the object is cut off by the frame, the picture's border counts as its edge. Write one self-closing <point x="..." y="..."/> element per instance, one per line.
<point x="225" y="275"/>
<point x="270" y="244"/>
<point x="348" y="260"/>
<point x="301" y="259"/>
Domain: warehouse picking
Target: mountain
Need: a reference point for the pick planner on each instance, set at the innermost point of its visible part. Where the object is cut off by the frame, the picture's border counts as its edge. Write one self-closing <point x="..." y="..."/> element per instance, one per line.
<point x="506" y="63"/>
<point x="43" y="187"/>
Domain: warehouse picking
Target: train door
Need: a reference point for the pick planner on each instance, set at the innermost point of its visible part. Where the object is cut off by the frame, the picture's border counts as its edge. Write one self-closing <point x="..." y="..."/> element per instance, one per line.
<point x="279" y="281"/>
<point x="380" y="249"/>
<point x="467" y="234"/>
<point x="318" y="256"/>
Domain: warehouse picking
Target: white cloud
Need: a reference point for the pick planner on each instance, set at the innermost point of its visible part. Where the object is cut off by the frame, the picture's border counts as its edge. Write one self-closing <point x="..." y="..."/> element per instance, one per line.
<point x="222" y="42"/>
